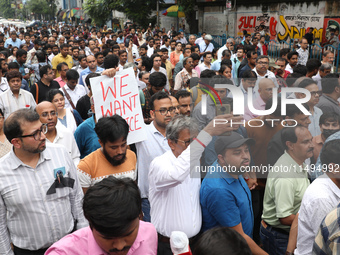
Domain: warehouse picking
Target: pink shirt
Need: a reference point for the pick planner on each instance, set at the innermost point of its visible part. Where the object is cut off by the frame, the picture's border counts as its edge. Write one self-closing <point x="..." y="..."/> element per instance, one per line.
<point x="82" y="242"/>
<point x="258" y="104"/>
<point x="60" y="81"/>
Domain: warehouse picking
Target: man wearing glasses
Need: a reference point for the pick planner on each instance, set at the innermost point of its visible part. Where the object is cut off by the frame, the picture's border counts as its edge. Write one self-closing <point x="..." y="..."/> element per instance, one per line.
<point x="57" y="134"/>
<point x="261" y="70"/>
<point x="162" y="111"/>
<point x="316" y="112"/>
<point x="40" y="199"/>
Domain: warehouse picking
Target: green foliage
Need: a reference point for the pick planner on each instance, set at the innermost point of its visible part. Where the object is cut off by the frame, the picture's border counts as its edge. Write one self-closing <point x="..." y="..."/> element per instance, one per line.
<point x="190" y="14"/>
<point x="99" y="10"/>
<point x="39" y="6"/>
<point x="5" y="9"/>
<point x="137" y="10"/>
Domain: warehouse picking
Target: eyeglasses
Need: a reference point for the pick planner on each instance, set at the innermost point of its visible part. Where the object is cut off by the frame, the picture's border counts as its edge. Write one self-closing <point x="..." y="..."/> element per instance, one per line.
<point x="46" y="114"/>
<point x="263" y="63"/>
<point x="187" y="142"/>
<point x="313" y="93"/>
<point x="165" y="111"/>
<point x="2" y="117"/>
<point x="37" y="134"/>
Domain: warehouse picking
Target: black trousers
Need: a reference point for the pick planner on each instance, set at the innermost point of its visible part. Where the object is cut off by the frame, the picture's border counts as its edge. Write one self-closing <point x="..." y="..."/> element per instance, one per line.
<point x="19" y="251"/>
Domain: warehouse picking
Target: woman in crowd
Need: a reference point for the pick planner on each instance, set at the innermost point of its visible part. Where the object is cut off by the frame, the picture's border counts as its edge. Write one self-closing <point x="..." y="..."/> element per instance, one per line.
<point x="174" y="56"/>
<point x="69" y="118"/>
<point x="13" y="54"/>
<point x="225" y="71"/>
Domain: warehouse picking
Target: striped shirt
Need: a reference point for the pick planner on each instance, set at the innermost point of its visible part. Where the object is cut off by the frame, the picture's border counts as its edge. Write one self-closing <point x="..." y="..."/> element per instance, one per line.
<point x="29" y="218"/>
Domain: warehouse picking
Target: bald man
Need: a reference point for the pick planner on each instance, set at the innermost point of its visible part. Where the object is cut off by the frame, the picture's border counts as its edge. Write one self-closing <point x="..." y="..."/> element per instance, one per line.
<point x="57" y="133"/>
<point x="92" y="67"/>
<point x="265" y="93"/>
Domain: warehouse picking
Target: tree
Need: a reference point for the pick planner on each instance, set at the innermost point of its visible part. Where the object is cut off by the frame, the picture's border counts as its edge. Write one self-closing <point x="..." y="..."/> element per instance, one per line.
<point x="39" y="7"/>
<point x="99" y="10"/>
<point x="6" y="10"/>
<point x="190" y="14"/>
<point x="136" y="10"/>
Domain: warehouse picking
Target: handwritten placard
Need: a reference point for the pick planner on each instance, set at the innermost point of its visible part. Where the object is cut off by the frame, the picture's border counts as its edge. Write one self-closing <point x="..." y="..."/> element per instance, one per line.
<point x="119" y="95"/>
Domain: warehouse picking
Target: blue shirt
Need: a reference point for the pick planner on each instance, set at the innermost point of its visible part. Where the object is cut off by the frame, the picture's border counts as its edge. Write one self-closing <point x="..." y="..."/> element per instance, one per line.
<point x="216" y="66"/>
<point x="9" y="41"/>
<point x="86" y="137"/>
<point x="226" y="201"/>
<point x="88" y="71"/>
<point x="120" y="40"/>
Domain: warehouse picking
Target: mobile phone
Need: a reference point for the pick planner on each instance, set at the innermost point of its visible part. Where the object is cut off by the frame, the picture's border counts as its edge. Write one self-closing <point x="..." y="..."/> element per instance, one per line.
<point x="221" y="110"/>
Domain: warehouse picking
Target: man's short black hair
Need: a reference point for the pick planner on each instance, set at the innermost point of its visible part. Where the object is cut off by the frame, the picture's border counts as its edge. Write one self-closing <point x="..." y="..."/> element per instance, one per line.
<point x="157" y="79"/>
<point x="291" y="54"/>
<point x="329" y="116"/>
<point x="292" y="110"/>
<point x="146" y="62"/>
<point x="12" y="125"/>
<point x="13" y="74"/>
<point x="111" y="61"/>
<point x="72" y="75"/>
<point x="284" y="52"/>
<point x="206" y="54"/>
<point x="158" y="96"/>
<point x="313" y="64"/>
<point x="110" y="129"/>
<point x="21" y="53"/>
<point x="64" y="46"/>
<point x="13" y="65"/>
<point x="60" y="66"/>
<point x="182" y="94"/>
<point x="112" y="205"/>
<point x="88" y="77"/>
<point x="221" y="240"/>
<point x="249" y="74"/>
<point x="207" y="73"/>
<point x="330" y="154"/>
<point x="329" y="83"/>
<point x="44" y="70"/>
<point x="98" y="54"/>
<point x="289" y="135"/>
<point x="300" y="69"/>
<point x="80" y="57"/>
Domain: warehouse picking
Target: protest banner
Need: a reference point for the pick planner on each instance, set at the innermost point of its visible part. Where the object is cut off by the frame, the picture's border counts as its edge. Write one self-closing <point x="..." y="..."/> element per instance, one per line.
<point x="119" y="95"/>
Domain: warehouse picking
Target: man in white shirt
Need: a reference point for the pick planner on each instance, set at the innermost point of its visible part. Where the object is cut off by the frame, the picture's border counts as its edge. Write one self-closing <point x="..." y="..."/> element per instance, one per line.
<point x="292" y="60"/>
<point x="303" y="52"/>
<point x="319" y="198"/>
<point x="156" y="60"/>
<point x="261" y="69"/>
<point x="174" y="181"/>
<point x="71" y="90"/>
<point x="201" y="39"/>
<point x="15" y="98"/>
<point x="57" y="133"/>
<point x="206" y="45"/>
<point x="156" y="45"/>
<point x="228" y="46"/>
<point x="206" y="64"/>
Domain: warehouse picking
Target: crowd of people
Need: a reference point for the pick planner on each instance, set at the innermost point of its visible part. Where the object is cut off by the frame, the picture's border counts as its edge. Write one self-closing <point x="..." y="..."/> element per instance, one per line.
<point x="258" y="184"/>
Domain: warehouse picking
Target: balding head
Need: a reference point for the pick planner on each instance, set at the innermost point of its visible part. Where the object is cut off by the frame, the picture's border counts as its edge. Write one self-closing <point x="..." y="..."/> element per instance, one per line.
<point x="48" y="114"/>
<point x="266" y="89"/>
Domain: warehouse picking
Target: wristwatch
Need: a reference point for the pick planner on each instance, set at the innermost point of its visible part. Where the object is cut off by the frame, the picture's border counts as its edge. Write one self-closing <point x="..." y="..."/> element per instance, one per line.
<point x="289" y="253"/>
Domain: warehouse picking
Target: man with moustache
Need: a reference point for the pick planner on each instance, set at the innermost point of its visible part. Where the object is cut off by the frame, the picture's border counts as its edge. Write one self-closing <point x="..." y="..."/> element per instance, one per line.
<point x="57" y="133"/>
<point x="285" y="187"/>
<point x="40" y="199"/>
<point x="113" y="158"/>
<point x="185" y="102"/>
<point x="225" y="197"/>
